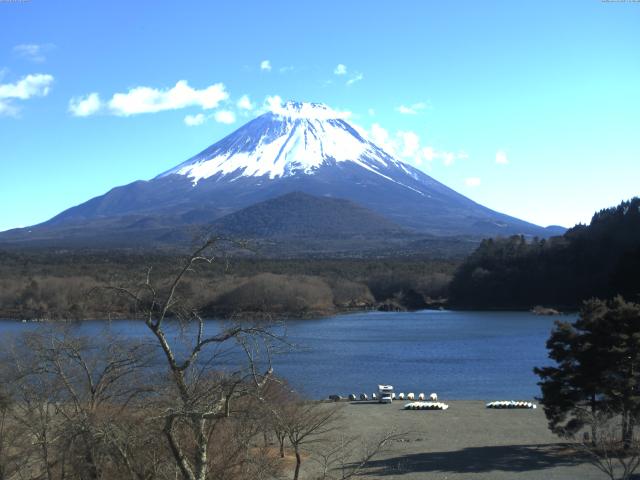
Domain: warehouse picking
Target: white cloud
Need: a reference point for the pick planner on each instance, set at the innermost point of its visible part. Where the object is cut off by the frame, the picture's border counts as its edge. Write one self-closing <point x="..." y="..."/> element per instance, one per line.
<point x="501" y="157"/>
<point x="340" y="69"/>
<point x="150" y="100"/>
<point x="35" y="85"/>
<point x="448" y="158"/>
<point x="194" y="120"/>
<point x="380" y="136"/>
<point x="7" y="110"/>
<point x="429" y="154"/>
<point x="221" y="116"/>
<point x="407" y="146"/>
<point x="410" y="144"/>
<point x="405" y="110"/>
<point x="287" y="68"/>
<point x="33" y="52"/>
<point x="354" y="79"/>
<point x="265" y="65"/>
<point x="371" y="112"/>
<point x="273" y="103"/>
<point x="411" y="109"/>
<point x="245" y="103"/>
<point x="472" y="182"/>
<point x="85" y="106"/>
<point x="225" y="116"/>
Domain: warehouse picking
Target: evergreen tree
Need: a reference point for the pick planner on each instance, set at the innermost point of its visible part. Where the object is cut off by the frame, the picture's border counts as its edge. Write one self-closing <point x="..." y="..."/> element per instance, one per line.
<point x="623" y="361"/>
<point x="597" y="368"/>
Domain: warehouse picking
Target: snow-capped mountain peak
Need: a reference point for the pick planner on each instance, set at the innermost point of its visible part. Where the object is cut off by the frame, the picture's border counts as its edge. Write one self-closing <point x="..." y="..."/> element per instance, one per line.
<point x="306" y="110"/>
<point x="295" y="148"/>
<point x="293" y="138"/>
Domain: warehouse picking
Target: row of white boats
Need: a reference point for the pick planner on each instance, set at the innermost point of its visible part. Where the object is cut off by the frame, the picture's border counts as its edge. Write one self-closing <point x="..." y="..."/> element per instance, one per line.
<point x="511" y="404"/>
<point x="386" y="394"/>
<point x="426" y="406"/>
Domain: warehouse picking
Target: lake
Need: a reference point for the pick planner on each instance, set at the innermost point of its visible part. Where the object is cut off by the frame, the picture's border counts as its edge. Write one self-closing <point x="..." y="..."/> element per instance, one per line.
<point x="460" y="355"/>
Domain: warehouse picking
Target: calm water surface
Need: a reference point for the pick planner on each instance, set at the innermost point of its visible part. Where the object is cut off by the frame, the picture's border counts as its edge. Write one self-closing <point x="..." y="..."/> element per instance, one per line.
<point x="459" y="355"/>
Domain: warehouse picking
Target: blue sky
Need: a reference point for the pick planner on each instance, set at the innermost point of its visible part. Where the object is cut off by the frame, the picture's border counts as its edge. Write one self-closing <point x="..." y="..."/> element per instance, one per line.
<point x="530" y="108"/>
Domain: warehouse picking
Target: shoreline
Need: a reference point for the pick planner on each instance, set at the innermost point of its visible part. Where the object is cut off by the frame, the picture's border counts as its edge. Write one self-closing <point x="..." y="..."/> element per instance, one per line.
<point x="260" y="316"/>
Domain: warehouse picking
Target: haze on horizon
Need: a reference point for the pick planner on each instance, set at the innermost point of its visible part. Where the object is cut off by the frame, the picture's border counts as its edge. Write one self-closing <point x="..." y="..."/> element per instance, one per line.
<point x="529" y="109"/>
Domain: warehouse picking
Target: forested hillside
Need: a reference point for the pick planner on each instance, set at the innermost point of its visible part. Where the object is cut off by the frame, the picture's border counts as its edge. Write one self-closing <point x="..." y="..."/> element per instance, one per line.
<point x="598" y="260"/>
<point x="56" y="285"/>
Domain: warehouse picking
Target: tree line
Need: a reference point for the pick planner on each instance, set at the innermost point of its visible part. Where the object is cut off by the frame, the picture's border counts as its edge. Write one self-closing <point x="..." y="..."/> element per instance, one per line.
<point x="54" y="285"/>
<point x="598" y="260"/>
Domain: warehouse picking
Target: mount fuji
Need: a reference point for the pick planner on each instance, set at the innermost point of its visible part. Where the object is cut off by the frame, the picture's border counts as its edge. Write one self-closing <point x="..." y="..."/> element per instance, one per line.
<point x="304" y="148"/>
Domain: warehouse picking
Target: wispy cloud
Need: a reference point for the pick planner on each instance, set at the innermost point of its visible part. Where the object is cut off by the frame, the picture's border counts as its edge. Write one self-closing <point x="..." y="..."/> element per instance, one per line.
<point x="356" y="78"/>
<point x="245" y="103"/>
<point x="286" y="69"/>
<point x="225" y="116"/>
<point x="340" y="69"/>
<point x="501" y="157"/>
<point x="472" y="181"/>
<point x="194" y="120"/>
<point x="380" y="136"/>
<point x="265" y="65"/>
<point x="8" y="110"/>
<point x="407" y="145"/>
<point x="85" y="106"/>
<point x="35" y="85"/>
<point x="411" y="109"/>
<point x="220" y="116"/>
<point x="33" y="52"/>
<point x="410" y="142"/>
<point x="274" y="104"/>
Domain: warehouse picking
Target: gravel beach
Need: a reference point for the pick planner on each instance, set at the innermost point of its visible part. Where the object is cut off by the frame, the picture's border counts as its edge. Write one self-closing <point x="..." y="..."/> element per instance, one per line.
<point x="467" y="441"/>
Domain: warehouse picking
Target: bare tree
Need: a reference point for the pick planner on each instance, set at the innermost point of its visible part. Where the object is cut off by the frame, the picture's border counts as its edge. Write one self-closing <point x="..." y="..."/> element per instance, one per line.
<point x="196" y="401"/>
<point x="276" y="396"/>
<point x="343" y="460"/>
<point x="306" y="423"/>
<point x="72" y="394"/>
<point x="12" y="439"/>
<point x="613" y="450"/>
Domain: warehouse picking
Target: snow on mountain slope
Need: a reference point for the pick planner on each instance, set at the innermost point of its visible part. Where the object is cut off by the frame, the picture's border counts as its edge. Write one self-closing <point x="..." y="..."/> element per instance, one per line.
<point x="297" y="138"/>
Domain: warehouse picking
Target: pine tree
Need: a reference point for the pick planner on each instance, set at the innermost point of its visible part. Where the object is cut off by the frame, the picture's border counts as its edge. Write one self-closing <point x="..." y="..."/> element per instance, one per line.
<point x="597" y="368"/>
